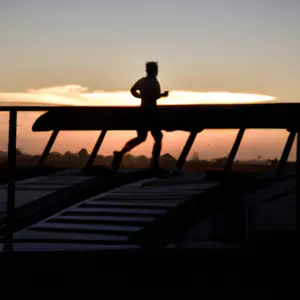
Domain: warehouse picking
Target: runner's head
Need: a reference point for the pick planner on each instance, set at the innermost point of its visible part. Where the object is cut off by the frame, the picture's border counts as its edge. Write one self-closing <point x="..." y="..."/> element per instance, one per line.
<point x="151" y="68"/>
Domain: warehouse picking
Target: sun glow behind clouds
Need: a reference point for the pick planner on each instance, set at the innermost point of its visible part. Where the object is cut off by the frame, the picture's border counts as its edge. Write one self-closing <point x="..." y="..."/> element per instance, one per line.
<point x="175" y="98"/>
<point x="217" y="144"/>
<point x="79" y="96"/>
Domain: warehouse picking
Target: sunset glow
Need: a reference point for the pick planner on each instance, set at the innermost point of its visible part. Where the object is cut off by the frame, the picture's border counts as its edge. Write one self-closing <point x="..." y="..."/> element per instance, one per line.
<point x="175" y="98"/>
<point x="209" y="144"/>
<point x="79" y="96"/>
<point x="90" y="53"/>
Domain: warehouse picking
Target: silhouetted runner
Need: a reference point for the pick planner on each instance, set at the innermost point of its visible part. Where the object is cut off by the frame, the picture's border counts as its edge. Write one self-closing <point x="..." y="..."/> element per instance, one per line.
<point x="148" y="90"/>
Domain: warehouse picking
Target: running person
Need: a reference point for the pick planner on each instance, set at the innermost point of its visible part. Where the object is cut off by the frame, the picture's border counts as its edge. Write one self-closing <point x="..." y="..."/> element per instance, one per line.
<point x="148" y="90"/>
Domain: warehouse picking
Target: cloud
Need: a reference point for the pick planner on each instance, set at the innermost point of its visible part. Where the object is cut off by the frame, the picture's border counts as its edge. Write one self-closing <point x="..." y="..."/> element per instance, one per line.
<point x="80" y="95"/>
<point x="66" y="95"/>
<point x="124" y="98"/>
<point x="75" y="94"/>
<point x="65" y="89"/>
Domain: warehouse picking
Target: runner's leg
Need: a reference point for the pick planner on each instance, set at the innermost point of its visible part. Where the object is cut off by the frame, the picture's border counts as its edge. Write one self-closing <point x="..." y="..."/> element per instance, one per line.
<point x="141" y="137"/>
<point x="157" y="135"/>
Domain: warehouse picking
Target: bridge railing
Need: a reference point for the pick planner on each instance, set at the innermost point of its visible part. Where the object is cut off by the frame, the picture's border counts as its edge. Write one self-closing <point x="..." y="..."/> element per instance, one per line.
<point x="11" y="156"/>
<point x="12" y="141"/>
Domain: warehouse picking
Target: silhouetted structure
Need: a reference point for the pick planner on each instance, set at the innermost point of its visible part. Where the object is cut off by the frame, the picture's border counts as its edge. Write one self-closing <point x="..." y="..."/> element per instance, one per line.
<point x="191" y="118"/>
<point x="148" y="90"/>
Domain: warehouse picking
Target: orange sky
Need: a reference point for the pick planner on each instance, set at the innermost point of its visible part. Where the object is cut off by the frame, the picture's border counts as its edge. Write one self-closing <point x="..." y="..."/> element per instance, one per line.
<point x="209" y="144"/>
<point x="218" y="45"/>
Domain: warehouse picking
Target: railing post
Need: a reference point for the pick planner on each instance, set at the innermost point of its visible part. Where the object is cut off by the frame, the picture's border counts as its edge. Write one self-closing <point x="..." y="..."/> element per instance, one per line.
<point x="96" y="149"/>
<point x="12" y="143"/>
<point x="234" y="150"/>
<point x="48" y="148"/>
<point x="285" y="153"/>
<point x="186" y="149"/>
<point x="298" y="187"/>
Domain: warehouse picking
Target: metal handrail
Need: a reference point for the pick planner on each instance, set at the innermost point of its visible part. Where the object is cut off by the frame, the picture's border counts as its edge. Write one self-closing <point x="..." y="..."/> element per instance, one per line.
<point x="11" y="155"/>
<point x="13" y="110"/>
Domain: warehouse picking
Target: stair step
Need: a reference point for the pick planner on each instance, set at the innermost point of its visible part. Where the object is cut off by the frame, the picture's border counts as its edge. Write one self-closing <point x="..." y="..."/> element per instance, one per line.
<point x="127" y="204"/>
<point x="67" y="236"/>
<point x="91" y="227"/>
<point x="99" y="219"/>
<point x="121" y="211"/>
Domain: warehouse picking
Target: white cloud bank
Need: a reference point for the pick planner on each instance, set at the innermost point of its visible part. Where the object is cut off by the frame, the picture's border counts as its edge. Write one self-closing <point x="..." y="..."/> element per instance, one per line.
<point x="80" y="96"/>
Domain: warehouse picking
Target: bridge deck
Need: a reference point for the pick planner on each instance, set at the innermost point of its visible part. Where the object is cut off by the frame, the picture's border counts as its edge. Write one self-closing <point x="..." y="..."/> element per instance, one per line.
<point x="112" y="220"/>
<point x="32" y="189"/>
<point x="108" y="220"/>
<point x="40" y="197"/>
<point x="192" y="118"/>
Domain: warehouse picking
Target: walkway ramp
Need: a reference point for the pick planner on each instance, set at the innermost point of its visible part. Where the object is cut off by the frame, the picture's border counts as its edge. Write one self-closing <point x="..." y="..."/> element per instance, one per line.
<point x="31" y="189"/>
<point x="189" y="210"/>
<point x="42" y="196"/>
<point x="107" y="221"/>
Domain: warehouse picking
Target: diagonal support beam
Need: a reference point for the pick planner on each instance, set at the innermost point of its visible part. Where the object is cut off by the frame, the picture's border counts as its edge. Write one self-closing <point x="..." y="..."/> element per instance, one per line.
<point x="285" y="153"/>
<point x="234" y="150"/>
<point x="185" y="151"/>
<point x="48" y="148"/>
<point x="96" y="149"/>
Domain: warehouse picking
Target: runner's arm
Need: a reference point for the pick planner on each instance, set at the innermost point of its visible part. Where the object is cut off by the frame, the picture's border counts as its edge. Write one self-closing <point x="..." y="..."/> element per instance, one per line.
<point x="134" y="90"/>
<point x="164" y="94"/>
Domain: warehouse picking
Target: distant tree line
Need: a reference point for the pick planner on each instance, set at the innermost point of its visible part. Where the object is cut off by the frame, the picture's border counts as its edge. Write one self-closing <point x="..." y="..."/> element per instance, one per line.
<point x="83" y="154"/>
